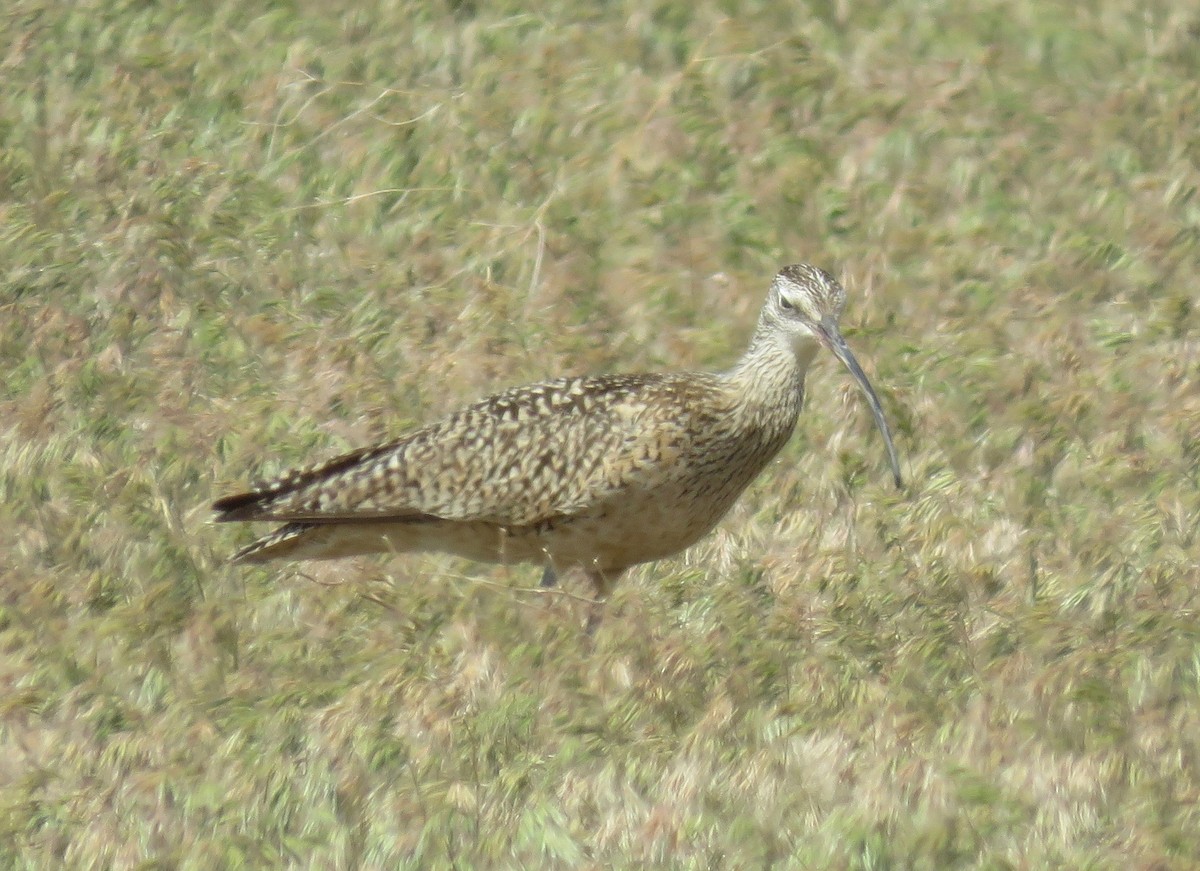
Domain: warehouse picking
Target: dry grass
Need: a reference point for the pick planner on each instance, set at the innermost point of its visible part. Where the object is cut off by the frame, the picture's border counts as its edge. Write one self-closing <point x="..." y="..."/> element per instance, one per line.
<point x="259" y="233"/>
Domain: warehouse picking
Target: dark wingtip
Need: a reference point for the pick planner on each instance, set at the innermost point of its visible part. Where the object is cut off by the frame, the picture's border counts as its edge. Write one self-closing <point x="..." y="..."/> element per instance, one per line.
<point x="252" y="505"/>
<point x="240" y="506"/>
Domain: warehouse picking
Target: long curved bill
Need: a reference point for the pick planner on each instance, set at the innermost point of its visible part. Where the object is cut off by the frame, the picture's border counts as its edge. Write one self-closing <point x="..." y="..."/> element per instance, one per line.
<point x="831" y="338"/>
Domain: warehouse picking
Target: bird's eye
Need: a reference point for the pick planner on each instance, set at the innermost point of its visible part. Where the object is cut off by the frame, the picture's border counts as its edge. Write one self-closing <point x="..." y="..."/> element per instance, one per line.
<point x="786" y="304"/>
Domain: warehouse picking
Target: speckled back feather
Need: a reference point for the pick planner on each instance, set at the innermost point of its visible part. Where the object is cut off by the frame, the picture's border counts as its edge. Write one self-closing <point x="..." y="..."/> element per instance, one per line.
<point x="517" y="458"/>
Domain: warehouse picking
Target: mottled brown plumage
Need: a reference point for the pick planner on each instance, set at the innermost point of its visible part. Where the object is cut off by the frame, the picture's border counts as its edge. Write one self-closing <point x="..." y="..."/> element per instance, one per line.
<point x="602" y="472"/>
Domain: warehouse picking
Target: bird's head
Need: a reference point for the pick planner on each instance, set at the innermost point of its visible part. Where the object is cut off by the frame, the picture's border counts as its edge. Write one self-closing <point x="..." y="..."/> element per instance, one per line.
<point x="802" y="298"/>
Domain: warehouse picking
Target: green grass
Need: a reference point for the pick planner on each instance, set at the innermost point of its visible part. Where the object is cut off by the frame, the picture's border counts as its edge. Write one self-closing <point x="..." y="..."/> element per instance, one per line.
<point x="240" y="237"/>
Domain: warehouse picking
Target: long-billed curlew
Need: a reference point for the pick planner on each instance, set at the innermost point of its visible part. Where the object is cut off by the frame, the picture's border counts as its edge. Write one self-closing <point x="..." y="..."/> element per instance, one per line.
<point x="601" y="473"/>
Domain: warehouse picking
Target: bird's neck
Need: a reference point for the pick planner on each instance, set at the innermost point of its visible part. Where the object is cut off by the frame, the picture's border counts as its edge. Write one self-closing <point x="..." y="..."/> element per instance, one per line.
<point x="770" y="375"/>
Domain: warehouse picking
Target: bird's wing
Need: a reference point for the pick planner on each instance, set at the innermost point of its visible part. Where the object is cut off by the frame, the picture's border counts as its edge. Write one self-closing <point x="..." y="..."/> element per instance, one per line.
<point x="525" y="455"/>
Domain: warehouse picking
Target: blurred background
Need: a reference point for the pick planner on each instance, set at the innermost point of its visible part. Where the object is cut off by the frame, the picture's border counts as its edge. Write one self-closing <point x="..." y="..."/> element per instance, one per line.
<point x="240" y="236"/>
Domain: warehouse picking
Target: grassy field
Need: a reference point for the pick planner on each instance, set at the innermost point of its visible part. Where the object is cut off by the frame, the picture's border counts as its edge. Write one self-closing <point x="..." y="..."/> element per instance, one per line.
<point x="238" y="236"/>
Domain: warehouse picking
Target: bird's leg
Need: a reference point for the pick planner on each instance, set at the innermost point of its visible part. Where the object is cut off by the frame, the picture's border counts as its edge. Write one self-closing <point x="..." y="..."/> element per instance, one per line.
<point x="603" y="585"/>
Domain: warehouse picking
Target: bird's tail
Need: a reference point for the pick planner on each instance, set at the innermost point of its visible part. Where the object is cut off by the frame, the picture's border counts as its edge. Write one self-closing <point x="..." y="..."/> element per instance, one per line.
<point x="290" y="541"/>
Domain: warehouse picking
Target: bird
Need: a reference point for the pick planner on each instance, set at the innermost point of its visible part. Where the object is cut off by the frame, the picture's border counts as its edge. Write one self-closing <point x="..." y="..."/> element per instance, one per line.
<point x="598" y="473"/>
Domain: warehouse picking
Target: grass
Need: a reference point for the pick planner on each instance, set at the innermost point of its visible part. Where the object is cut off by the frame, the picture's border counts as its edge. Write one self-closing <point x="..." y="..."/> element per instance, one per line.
<point x="239" y="237"/>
